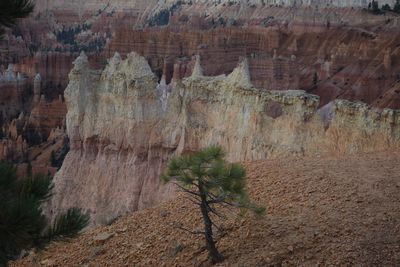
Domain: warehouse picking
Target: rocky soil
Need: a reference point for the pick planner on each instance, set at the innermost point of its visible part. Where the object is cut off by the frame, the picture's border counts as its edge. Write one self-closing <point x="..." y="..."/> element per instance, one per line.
<point x="335" y="53"/>
<point x="320" y="212"/>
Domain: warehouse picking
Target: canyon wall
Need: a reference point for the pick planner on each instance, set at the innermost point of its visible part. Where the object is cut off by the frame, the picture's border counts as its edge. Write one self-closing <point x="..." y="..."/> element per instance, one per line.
<point x="123" y="4"/>
<point x="124" y="126"/>
<point x="126" y="121"/>
<point x="334" y="63"/>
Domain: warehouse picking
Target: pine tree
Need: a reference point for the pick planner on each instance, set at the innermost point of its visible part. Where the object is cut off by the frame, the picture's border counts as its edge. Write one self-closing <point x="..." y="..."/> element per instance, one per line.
<point x="211" y="182"/>
<point x="67" y="224"/>
<point x="12" y="10"/>
<point x="386" y="7"/>
<point x="22" y="222"/>
<point x="375" y="7"/>
<point x="396" y="7"/>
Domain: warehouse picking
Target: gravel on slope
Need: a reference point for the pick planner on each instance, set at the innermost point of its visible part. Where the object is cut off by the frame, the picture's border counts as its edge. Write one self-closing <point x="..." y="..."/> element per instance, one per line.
<point x="336" y="211"/>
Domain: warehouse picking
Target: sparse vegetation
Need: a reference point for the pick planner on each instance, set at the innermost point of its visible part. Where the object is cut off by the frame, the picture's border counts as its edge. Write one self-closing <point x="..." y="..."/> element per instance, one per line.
<point x="210" y="182"/>
<point x="22" y="223"/>
<point x="162" y="17"/>
<point x="386" y="7"/>
<point x="396" y="7"/>
<point x="67" y="36"/>
<point x="374" y="7"/>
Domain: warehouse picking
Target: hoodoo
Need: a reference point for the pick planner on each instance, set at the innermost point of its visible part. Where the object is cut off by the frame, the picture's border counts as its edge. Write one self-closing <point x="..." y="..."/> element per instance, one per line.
<point x="122" y="136"/>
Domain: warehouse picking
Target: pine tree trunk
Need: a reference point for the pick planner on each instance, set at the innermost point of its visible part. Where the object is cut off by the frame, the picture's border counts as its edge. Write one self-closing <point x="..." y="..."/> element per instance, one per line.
<point x="212" y="250"/>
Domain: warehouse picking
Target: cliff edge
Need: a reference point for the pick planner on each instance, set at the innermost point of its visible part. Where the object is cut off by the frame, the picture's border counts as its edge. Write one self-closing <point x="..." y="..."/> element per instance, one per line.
<point x="124" y="127"/>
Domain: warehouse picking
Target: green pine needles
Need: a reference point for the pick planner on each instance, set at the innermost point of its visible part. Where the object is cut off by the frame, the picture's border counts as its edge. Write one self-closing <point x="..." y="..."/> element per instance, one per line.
<point x="211" y="181"/>
<point x="12" y="10"/>
<point x="22" y="224"/>
<point x="68" y="224"/>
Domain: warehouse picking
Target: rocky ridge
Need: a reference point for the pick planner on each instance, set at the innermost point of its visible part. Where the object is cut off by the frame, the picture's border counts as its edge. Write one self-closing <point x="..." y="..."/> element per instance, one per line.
<point x="119" y="4"/>
<point x="124" y="127"/>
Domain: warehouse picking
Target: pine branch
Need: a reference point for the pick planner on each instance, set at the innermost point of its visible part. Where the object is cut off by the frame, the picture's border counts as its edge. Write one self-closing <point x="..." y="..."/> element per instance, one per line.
<point x="212" y="210"/>
<point x="193" y="200"/>
<point x="12" y="10"/>
<point x="186" y="190"/>
<point x="68" y="224"/>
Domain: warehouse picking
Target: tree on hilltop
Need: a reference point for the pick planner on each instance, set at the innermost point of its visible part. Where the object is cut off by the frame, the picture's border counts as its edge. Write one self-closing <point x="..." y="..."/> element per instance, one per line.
<point x="211" y="183"/>
<point x="11" y="11"/>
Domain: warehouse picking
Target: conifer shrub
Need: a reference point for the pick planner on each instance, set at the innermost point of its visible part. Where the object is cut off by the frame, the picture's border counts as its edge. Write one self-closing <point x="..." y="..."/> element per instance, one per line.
<point x="22" y="223"/>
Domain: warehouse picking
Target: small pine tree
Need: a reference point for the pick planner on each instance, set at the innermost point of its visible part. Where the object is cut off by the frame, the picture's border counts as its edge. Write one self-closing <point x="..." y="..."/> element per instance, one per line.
<point x="375" y="7"/>
<point x="211" y="181"/>
<point x="386" y="7"/>
<point x="22" y="223"/>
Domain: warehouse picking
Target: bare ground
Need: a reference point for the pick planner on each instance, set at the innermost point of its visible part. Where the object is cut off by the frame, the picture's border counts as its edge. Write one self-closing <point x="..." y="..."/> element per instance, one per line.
<point x="337" y="211"/>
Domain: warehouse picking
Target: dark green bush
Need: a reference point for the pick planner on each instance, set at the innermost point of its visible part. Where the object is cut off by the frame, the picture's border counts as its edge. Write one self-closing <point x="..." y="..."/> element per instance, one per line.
<point x="386" y="7"/>
<point x="396" y="7"/>
<point x="22" y="223"/>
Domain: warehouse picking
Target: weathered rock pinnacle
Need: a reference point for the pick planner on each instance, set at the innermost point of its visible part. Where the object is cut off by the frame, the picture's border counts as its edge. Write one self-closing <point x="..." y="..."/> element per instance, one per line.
<point x="197" y="69"/>
<point x="240" y="76"/>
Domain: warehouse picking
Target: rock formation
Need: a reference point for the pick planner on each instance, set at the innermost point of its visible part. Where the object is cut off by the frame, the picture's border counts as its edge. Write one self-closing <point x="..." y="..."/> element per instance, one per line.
<point x="285" y="42"/>
<point x="300" y="62"/>
<point x="119" y="4"/>
<point x="122" y="132"/>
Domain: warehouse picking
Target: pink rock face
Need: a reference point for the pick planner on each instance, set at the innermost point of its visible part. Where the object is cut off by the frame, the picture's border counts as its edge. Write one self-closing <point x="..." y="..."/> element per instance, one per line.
<point x="124" y="127"/>
<point x="46" y="116"/>
<point x="53" y="67"/>
<point x="285" y="47"/>
<point x="349" y="66"/>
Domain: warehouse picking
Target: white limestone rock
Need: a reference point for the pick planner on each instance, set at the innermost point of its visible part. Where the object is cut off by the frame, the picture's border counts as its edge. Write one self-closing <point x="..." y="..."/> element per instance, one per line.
<point x="240" y="76"/>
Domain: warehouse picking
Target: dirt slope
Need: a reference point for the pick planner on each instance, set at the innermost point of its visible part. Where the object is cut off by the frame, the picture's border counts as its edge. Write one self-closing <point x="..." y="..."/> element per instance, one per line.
<point x="321" y="211"/>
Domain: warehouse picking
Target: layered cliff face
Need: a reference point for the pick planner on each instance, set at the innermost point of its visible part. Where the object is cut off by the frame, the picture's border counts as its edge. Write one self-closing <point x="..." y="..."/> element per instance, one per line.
<point x="124" y="126"/>
<point x="127" y="120"/>
<point x="352" y="53"/>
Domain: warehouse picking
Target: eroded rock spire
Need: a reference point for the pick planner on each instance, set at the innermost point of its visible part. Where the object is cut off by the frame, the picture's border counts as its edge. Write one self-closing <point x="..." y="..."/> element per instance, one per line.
<point x="240" y="76"/>
<point x="81" y="62"/>
<point x="135" y="66"/>
<point x="113" y="64"/>
<point x="197" y="69"/>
